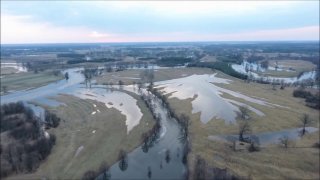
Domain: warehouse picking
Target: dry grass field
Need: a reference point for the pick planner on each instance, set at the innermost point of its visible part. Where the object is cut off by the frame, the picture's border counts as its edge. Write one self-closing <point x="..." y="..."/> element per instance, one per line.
<point x="26" y="80"/>
<point x="298" y="66"/>
<point x="130" y="76"/>
<point x="84" y="140"/>
<point x="300" y="161"/>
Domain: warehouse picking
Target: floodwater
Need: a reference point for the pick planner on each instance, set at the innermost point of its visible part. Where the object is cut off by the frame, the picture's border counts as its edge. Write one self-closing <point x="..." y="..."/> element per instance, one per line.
<point x="207" y="97"/>
<point x="267" y="138"/>
<point x="17" y="66"/>
<point x="138" y="160"/>
<point x="120" y="101"/>
<point x="242" y="69"/>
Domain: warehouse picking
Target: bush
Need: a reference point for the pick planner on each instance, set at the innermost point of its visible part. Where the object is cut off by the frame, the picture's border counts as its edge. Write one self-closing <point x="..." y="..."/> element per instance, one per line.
<point x="253" y="147"/>
<point x="51" y="119"/>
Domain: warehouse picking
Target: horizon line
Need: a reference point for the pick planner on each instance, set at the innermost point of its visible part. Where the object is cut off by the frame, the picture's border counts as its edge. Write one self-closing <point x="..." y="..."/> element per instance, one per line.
<point x="140" y="42"/>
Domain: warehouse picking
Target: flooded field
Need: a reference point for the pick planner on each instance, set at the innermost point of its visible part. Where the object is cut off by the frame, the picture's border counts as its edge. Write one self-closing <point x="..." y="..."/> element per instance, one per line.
<point x="205" y="95"/>
<point x="256" y="68"/>
<point x="19" y="67"/>
<point x="164" y="157"/>
<point x="127" y="105"/>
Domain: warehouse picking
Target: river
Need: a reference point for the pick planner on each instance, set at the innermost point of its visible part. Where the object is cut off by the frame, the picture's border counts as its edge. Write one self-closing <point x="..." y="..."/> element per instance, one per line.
<point x="138" y="160"/>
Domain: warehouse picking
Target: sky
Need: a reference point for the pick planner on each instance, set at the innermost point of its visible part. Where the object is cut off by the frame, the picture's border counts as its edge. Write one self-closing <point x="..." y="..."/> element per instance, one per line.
<point x="157" y="21"/>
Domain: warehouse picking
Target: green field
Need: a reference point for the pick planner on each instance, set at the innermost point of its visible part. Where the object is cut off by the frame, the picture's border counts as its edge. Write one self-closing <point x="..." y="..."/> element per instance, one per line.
<point x="26" y="80"/>
<point x="101" y="135"/>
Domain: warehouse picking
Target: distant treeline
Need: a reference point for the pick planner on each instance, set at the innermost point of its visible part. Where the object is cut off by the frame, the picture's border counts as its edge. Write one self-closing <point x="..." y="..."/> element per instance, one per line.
<point x="173" y="61"/>
<point x="236" y="58"/>
<point x="92" y="61"/>
<point x="25" y="143"/>
<point x="70" y="55"/>
<point x="265" y="47"/>
<point x="221" y="66"/>
<point x="146" y="58"/>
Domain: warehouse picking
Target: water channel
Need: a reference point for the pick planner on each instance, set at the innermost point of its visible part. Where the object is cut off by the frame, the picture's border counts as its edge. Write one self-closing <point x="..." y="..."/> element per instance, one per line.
<point x="139" y="161"/>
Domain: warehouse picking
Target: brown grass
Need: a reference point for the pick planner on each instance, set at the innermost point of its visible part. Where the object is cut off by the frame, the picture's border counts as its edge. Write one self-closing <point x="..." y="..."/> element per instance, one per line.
<point x="272" y="162"/>
<point x="25" y="80"/>
<point x="76" y="130"/>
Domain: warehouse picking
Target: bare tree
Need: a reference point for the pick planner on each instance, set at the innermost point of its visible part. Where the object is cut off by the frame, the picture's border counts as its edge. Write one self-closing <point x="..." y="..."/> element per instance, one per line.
<point x="265" y="64"/>
<point x="66" y="76"/>
<point x="283" y="85"/>
<point x="104" y="170"/>
<point x="5" y="89"/>
<point x="147" y="75"/>
<point x="123" y="160"/>
<point x="274" y="85"/>
<point x="244" y="112"/>
<point x="284" y="141"/>
<point x="120" y="83"/>
<point x="149" y="172"/>
<point x="305" y="119"/>
<point x="244" y="128"/>
<point x="89" y="175"/>
<point x="168" y="158"/>
<point x="200" y="169"/>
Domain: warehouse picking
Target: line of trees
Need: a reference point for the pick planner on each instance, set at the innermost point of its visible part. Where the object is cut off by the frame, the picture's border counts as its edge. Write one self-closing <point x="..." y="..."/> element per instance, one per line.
<point x="76" y="61"/>
<point x="152" y="135"/>
<point x="183" y="120"/>
<point x="88" y="74"/>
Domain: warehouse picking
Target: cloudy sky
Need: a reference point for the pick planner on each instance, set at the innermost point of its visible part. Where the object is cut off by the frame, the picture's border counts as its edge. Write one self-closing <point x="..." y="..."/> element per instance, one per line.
<point x="127" y="21"/>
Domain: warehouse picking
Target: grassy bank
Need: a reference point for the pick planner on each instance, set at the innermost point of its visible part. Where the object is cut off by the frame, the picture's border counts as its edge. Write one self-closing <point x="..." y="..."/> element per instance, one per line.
<point x="273" y="162"/>
<point x="26" y="80"/>
<point x="84" y="140"/>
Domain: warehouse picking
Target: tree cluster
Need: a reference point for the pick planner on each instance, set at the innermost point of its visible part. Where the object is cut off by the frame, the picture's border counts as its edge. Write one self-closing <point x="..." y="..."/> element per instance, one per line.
<point x="28" y="146"/>
<point x="312" y="99"/>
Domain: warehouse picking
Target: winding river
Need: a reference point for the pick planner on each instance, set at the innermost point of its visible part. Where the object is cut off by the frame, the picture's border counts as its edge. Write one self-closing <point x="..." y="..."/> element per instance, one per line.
<point x="139" y="161"/>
